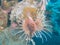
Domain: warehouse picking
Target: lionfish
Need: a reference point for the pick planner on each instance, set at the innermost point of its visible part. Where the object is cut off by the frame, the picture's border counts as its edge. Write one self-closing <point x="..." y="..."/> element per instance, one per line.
<point x="29" y="15"/>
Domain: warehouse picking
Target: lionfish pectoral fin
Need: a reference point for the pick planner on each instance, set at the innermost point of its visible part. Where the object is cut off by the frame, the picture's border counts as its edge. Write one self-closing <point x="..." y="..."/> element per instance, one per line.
<point x="39" y="35"/>
<point x="46" y="33"/>
<point x="30" y="42"/>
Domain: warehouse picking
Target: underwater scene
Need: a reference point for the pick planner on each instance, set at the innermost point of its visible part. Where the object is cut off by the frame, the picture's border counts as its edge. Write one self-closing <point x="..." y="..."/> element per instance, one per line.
<point x="29" y="22"/>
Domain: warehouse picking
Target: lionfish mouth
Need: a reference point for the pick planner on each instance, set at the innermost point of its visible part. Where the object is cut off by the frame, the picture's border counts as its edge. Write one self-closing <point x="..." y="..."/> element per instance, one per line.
<point x="29" y="26"/>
